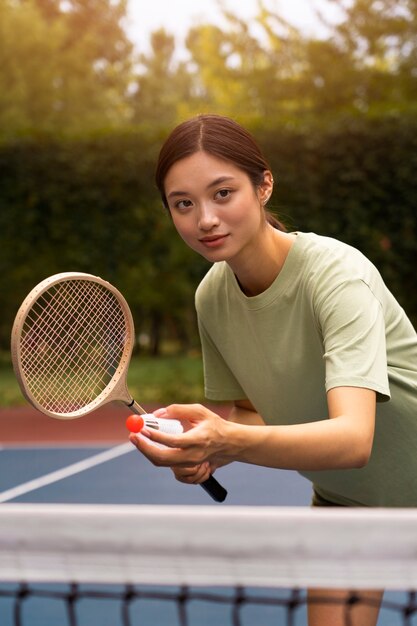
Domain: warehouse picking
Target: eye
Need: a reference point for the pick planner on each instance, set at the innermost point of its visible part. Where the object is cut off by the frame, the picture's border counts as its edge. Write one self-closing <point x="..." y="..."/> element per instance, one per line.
<point x="183" y="204"/>
<point x="222" y="194"/>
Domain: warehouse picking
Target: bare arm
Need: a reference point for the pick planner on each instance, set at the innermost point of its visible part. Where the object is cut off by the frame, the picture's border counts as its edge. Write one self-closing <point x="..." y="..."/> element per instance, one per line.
<point x="243" y="412"/>
<point x="342" y="441"/>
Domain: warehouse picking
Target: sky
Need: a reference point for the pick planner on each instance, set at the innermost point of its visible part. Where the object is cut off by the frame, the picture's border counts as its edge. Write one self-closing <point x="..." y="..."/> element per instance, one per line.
<point x="177" y="16"/>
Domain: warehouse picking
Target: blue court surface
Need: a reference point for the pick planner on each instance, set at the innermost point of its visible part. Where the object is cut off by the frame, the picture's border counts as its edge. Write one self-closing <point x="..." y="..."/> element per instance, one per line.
<point x="131" y="479"/>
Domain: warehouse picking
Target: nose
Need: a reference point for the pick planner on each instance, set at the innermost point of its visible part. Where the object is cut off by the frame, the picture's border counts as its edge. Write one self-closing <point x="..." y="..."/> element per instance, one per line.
<point x="207" y="217"/>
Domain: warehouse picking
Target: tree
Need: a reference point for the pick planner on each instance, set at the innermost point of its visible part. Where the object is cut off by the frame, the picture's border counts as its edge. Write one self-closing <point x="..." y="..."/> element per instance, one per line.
<point x="240" y="73"/>
<point x="161" y="84"/>
<point x="63" y="69"/>
<point x="365" y="65"/>
<point x="380" y="37"/>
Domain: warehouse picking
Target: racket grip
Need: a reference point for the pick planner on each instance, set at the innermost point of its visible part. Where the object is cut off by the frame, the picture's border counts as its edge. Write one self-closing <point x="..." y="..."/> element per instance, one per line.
<point x="214" y="489"/>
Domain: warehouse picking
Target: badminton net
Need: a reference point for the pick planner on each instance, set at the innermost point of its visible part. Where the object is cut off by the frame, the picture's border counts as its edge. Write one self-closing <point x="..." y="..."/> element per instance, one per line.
<point x="78" y="565"/>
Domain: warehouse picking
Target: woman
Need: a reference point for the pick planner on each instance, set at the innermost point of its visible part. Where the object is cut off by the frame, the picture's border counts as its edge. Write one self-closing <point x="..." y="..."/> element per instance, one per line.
<point x="298" y="331"/>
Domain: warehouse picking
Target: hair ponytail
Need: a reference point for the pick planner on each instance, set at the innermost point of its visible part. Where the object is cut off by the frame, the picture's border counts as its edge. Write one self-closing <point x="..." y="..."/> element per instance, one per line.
<point x="275" y="222"/>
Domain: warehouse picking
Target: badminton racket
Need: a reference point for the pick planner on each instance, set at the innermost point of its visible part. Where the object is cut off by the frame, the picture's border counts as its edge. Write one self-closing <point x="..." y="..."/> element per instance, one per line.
<point x="72" y="341"/>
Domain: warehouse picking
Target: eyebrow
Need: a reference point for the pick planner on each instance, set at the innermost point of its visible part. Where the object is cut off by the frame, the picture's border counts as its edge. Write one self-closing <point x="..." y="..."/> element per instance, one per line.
<point x="214" y="183"/>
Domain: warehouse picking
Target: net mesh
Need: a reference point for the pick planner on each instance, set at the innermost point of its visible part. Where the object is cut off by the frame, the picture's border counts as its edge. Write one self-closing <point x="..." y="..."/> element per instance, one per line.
<point x="71" y="344"/>
<point x="198" y="566"/>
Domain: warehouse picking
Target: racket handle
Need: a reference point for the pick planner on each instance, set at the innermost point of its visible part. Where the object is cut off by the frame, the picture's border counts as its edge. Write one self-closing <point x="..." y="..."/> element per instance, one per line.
<point x="214" y="489"/>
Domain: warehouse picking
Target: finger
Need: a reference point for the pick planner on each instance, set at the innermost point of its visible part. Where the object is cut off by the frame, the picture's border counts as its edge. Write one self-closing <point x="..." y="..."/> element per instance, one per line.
<point x="166" y="439"/>
<point x="186" y="474"/>
<point x="188" y="412"/>
<point x="161" y="455"/>
<point x="191" y="472"/>
<point x="192" y="475"/>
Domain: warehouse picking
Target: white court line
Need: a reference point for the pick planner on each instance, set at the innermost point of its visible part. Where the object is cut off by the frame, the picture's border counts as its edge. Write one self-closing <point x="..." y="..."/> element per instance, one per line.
<point x="75" y="468"/>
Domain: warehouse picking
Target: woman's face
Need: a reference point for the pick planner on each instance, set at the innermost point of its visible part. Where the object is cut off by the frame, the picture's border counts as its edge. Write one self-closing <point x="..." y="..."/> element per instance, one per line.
<point x="214" y="206"/>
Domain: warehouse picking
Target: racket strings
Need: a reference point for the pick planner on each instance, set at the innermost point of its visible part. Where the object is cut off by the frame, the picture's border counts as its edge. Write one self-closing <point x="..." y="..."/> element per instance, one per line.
<point x="67" y="352"/>
<point x="72" y="343"/>
<point x="72" y="355"/>
<point x="71" y="327"/>
<point x="72" y="347"/>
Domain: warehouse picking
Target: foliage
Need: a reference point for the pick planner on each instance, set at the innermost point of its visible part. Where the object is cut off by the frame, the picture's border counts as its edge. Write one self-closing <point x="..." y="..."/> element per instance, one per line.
<point x="63" y="69"/>
<point x="379" y="39"/>
<point x="160" y="85"/>
<point x="366" y="65"/>
<point x="68" y="67"/>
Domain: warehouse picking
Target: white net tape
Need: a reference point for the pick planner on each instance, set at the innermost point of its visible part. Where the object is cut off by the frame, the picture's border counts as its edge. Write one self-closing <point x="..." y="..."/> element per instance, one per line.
<point x="258" y="546"/>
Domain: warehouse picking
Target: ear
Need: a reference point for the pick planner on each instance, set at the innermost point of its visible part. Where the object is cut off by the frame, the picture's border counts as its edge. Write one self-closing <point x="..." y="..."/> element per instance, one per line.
<point x="266" y="187"/>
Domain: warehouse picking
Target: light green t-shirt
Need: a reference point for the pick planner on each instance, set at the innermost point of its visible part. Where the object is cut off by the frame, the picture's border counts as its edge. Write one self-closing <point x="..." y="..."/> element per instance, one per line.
<point x="328" y="320"/>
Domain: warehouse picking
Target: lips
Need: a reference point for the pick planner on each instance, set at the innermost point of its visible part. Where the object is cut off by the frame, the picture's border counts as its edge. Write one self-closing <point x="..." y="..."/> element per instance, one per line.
<point x="213" y="241"/>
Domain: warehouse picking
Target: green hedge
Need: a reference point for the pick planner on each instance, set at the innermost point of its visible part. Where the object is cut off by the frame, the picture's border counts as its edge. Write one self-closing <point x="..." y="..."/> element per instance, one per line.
<point x="90" y="205"/>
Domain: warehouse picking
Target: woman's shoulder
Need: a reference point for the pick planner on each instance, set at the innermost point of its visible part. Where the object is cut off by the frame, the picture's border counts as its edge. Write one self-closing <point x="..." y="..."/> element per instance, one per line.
<point x="317" y="245"/>
<point x="332" y="257"/>
<point x="329" y="265"/>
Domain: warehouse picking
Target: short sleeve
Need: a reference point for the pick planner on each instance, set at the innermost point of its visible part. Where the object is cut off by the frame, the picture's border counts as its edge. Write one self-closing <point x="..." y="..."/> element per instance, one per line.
<point x="219" y="381"/>
<point x="352" y="324"/>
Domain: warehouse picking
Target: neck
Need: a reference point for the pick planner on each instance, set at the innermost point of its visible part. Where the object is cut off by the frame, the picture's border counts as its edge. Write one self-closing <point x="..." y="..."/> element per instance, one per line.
<point x="262" y="264"/>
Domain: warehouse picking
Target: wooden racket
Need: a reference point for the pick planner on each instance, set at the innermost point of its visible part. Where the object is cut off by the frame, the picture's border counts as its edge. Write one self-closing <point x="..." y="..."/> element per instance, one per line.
<point x="72" y="341"/>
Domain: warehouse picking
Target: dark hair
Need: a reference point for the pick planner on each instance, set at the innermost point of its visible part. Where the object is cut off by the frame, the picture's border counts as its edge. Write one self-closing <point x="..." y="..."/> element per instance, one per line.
<point x="221" y="137"/>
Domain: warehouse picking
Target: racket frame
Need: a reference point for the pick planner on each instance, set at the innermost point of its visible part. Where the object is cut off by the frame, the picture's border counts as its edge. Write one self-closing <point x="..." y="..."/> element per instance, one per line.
<point x="116" y="389"/>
